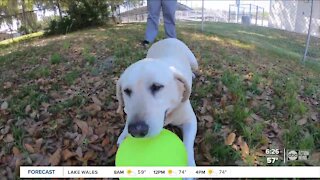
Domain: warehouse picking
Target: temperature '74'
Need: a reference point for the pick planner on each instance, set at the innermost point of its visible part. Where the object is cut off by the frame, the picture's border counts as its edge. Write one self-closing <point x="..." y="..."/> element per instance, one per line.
<point x="222" y="171"/>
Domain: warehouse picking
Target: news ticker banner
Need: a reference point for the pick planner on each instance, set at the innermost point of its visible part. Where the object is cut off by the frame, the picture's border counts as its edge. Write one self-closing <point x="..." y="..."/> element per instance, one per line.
<point x="168" y="172"/>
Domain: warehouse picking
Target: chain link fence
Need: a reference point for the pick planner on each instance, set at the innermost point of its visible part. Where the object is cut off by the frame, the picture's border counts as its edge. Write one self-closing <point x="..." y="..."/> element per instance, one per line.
<point x="280" y="14"/>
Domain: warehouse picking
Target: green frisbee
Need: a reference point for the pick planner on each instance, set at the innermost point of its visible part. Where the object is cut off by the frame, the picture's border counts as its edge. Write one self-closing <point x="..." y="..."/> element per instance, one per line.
<point x="165" y="149"/>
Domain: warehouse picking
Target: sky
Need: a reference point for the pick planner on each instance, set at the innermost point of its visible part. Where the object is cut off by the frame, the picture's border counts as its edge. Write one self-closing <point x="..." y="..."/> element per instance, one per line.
<point x="224" y="4"/>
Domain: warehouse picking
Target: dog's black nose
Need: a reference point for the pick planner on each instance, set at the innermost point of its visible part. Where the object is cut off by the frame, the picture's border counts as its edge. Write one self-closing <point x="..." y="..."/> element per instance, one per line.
<point x="138" y="129"/>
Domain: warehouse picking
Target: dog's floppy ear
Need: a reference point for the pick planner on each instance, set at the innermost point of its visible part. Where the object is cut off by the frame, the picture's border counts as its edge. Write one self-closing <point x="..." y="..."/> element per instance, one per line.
<point x="119" y="97"/>
<point x="186" y="87"/>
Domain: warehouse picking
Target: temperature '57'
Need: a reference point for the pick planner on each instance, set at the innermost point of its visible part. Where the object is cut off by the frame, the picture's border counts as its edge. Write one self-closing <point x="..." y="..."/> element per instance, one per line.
<point x="272" y="160"/>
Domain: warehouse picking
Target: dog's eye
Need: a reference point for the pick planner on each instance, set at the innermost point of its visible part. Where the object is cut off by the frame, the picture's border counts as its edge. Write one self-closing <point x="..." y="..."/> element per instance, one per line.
<point x="155" y="87"/>
<point x="128" y="91"/>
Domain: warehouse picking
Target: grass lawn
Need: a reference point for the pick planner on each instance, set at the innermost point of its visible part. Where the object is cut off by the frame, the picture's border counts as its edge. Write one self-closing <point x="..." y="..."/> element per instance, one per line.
<point x="58" y="104"/>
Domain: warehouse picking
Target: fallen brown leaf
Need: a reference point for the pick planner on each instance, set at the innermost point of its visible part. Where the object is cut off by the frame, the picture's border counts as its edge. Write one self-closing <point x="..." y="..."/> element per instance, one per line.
<point x="205" y="151"/>
<point x="66" y="154"/>
<point x="5" y="130"/>
<point x="16" y="151"/>
<point x="96" y="100"/>
<point x="29" y="148"/>
<point x="105" y="142"/>
<point x="207" y="118"/>
<point x="249" y="76"/>
<point x="33" y="114"/>
<point x="27" y="109"/>
<point x="93" y="109"/>
<point x="230" y="139"/>
<point x="44" y="116"/>
<point x="83" y="126"/>
<point x="235" y="147"/>
<point x="112" y="151"/>
<point x="17" y="163"/>
<point x="39" y="159"/>
<point x="7" y="85"/>
<point x="79" y="152"/>
<point x="239" y="141"/>
<point x="223" y="101"/>
<point x="260" y="154"/>
<point x="9" y="138"/>
<point x="203" y="109"/>
<point x="38" y="144"/>
<point x="208" y="157"/>
<point x="93" y="138"/>
<point x="66" y="142"/>
<point x="55" y="157"/>
<point x="244" y="149"/>
<point x="89" y="155"/>
<point x="249" y="120"/>
<point x="253" y="103"/>
<point x="256" y="117"/>
<point x="275" y="126"/>
<point x="229" y="108"/>
<point x="209" y="125"/>
<point x="45" y="106"/>
<point x="302" y="121"/>
<point x="314" y="116"/>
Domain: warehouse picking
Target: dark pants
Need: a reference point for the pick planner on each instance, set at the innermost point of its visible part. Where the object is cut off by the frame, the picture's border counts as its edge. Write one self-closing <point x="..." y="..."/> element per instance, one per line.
<point x="168" y="10"/>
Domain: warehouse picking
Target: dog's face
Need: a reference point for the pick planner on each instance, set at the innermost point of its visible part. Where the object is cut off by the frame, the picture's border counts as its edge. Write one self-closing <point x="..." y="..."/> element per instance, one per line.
<point x="149" y="90"/>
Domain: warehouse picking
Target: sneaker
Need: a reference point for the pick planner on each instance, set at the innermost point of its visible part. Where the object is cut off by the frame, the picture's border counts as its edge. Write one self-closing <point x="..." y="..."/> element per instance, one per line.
<point x="145" y="43"/>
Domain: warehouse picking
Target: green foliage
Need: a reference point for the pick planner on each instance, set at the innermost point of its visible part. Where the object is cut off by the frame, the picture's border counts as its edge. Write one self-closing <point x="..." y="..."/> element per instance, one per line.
<point x="61" y="26"/>
<point x="286" y="99"/>
<point x="224" y="154"/>
<point x="254" y="85"/>
<point x="55" y="58"/>
<point x="253" y="133"/>
<point x="29" y="95"/>
<point x="39" y="72"/>
<point x="66" y="45"/>
<point x="18" y="135"/>
<point x="235" y="85"/>
<point x="89" y="58"/>
<point x="81" y="14"/>
<point x="24" y="30"/>
<point x="70" y="77"/>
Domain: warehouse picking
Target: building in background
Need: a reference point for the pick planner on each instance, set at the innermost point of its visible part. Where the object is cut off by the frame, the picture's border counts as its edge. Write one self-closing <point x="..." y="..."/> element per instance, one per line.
<point x="294" y="16"/>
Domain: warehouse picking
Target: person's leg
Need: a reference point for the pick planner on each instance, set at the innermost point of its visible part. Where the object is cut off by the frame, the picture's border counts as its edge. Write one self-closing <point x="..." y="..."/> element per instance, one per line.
<point x="169" y="9"/>
<point x="154" y="7"/>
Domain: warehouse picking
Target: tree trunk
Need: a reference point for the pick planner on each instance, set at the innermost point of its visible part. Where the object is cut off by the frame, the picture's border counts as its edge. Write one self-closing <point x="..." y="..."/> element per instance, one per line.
<point x="113" y="12"/>
<point x="23" y="23"/>
<point x="59" y="9"/>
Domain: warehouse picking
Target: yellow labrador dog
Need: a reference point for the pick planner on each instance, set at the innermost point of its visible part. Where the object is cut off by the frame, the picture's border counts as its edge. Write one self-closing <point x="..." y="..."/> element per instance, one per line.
<point x="155" y="92"/>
